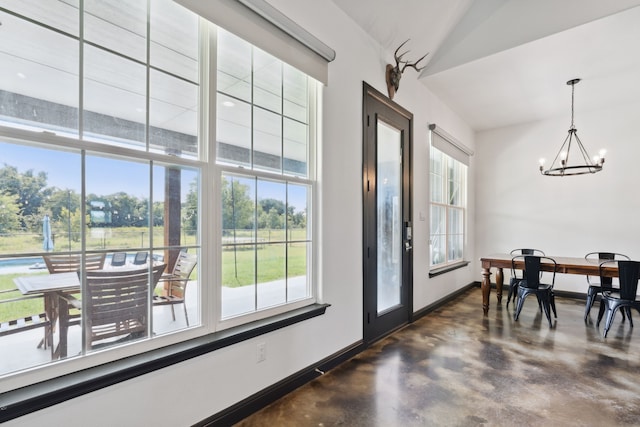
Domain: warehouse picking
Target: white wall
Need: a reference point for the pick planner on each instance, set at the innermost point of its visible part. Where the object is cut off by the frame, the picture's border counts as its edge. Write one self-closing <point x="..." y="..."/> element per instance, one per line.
<point x="564" y="216"/>
<point x="191" y="391"/>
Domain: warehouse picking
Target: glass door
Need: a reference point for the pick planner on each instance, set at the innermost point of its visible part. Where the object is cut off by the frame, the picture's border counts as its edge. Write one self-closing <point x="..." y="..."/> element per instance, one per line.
<point x="387" y="236"/>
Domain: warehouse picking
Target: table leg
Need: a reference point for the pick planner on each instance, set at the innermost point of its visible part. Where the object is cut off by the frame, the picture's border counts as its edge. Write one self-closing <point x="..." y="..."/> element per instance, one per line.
<point x="51" y="308"/>
<point x="486" y="289"/>
<point x="499" y="283"/>
<point x="63" y="311"/>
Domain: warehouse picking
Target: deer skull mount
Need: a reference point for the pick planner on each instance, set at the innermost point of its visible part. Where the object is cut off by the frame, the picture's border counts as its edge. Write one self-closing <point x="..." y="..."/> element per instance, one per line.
<point x="395" y="73"/>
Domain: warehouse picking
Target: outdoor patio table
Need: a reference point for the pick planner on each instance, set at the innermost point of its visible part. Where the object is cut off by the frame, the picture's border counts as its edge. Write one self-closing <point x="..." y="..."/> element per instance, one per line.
<point x="50" y="285"/>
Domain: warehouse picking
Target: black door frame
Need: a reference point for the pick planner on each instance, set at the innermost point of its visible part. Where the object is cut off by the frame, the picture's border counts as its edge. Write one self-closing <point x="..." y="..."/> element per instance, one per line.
<point x="376" y="104"/>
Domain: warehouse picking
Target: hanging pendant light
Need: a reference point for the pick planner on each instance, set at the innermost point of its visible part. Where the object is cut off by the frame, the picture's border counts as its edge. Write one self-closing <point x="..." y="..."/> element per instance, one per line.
<point x="565" y="163"/>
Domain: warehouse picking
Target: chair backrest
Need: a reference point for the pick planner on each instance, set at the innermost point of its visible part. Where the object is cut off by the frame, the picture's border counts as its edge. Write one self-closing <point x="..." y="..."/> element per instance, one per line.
<point x="605" y="281"/>
<point x="117" y="302"/>
<point x="628" y="275"/>
<point x="141" y="258"/>
<point x="181" y="271"/>
<point x="532" y="269"/>
<point x="527" y="251"/>
<point x="184" y="265"/>
<point x="118" y="259"/>
<point x="523" y="251"/>
<point x="65" y="263"/>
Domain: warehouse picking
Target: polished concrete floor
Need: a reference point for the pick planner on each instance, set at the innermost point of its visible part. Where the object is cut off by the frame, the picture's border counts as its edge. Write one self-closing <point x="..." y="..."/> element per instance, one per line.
<point x="455" y="367"/>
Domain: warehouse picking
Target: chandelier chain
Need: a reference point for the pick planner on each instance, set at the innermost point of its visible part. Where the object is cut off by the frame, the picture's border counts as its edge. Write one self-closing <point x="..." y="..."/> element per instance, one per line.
<point x="573" y="89"/>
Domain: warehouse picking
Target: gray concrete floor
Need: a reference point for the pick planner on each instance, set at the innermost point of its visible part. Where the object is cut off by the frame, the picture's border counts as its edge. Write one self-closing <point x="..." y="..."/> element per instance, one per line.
<point x="456" y="367"/>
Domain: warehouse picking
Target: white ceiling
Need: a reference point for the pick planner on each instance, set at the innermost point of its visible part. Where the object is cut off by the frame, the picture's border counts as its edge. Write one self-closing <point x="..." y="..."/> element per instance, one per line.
<point x="503" y="62"/>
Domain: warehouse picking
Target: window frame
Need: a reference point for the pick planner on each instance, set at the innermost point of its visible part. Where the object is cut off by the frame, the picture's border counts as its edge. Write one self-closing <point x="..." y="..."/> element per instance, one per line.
<point x="221" y="168"/>
<point x="447" y="206"/>
<point x="211" y="333"/>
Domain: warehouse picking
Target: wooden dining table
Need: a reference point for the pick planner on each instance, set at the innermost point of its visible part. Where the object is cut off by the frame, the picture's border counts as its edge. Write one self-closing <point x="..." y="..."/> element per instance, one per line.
<point x="51" y="286"/>
<point x="565" y="265"/>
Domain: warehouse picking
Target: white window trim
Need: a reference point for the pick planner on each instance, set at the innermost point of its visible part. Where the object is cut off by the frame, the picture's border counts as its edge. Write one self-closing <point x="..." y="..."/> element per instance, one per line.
<point x="446" y="144"/>
<point x="314" y="94"/>
<point x="210" y="249"/>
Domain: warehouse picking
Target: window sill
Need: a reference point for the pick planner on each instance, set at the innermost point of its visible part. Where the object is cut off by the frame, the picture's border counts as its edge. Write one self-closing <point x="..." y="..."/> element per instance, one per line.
<point x="19" y="402"/>
<point x="441" y="270"/>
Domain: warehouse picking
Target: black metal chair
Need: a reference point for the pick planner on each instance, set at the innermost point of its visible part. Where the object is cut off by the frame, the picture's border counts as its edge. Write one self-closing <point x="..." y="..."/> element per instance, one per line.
<point x="610" y="302"/>
<point x="515" y="279"/>
<point x="531" y="284"/>
<point x="606" y="283"/>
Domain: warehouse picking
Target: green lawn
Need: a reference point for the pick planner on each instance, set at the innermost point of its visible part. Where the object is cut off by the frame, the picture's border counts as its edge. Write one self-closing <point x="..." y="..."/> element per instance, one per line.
<point x="13" y="310"/>
<point x="238" y="266"/>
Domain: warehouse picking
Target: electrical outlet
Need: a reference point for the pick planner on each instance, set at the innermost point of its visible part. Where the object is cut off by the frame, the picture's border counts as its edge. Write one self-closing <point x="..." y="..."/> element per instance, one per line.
<point x="261" y="352"/>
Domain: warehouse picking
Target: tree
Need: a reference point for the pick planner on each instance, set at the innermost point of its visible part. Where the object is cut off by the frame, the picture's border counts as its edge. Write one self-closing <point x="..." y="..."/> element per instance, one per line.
<point x="59" y="199"/>
<point x="190" y="209"/>
<point x="237" y="206"/>
<point x="69" y="225"/>
<point x="275" y="219"/>
<point x="268" y="204"/>
<point x="10" y="218"/>
<point x="29" y="188"/>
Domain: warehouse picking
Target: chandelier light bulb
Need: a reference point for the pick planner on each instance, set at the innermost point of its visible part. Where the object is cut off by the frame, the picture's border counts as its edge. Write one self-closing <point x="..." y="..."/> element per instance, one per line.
<point x="602" y="153"/>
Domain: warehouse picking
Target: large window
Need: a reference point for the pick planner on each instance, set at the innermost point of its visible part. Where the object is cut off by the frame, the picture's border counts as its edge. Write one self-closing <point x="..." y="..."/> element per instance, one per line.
<point x="104" y="127"/>
<point x="264" y="149"/>
<point x="448" y="182"/>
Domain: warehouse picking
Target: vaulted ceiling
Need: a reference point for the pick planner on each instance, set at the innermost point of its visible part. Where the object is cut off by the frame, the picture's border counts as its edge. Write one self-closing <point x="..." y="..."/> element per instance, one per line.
<point x="503" y="62"/>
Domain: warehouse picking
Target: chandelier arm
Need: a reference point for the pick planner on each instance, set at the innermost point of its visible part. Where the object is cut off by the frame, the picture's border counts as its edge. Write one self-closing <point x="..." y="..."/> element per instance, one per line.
<point x="553" y="164"/>
<point x="585" y="155"/>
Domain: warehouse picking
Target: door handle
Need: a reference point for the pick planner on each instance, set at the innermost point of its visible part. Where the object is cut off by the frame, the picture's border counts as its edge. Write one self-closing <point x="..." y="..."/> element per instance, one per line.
<point x="407" y="246"/>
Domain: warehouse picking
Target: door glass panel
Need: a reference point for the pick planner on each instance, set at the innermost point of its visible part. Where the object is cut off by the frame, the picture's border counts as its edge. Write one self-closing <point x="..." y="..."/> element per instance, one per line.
<point x="389" y="228"/>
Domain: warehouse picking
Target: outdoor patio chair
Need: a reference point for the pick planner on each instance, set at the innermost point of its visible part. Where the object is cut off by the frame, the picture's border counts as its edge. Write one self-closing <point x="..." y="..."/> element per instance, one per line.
<point x="118" y="259"/>
<point x="175" y="284"/>
<point x="26" y="323"/>
<point x="140" y="258"/>
<point x="117" y="303"/>
<point x="64" y="263"/>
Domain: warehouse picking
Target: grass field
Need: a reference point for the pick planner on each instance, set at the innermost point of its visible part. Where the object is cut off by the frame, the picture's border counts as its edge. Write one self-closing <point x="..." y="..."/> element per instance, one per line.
<point x="238" y="262"/>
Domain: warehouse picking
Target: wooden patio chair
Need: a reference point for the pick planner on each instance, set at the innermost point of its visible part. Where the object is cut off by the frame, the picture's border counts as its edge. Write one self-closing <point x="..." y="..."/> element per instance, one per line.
<point x="64" y="263"/>
<point x="175" y="284"/>
<point x="117" y="303"/>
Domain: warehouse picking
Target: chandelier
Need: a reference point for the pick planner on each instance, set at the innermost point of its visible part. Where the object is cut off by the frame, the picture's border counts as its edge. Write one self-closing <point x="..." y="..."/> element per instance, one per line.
<point x="564" y="163"/>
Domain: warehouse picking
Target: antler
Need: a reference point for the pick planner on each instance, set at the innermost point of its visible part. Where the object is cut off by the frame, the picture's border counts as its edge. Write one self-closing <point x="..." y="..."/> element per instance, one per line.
<point x="399" y="58"/>
<point x="415" y="64"/>
<point x="393" y="74"/>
